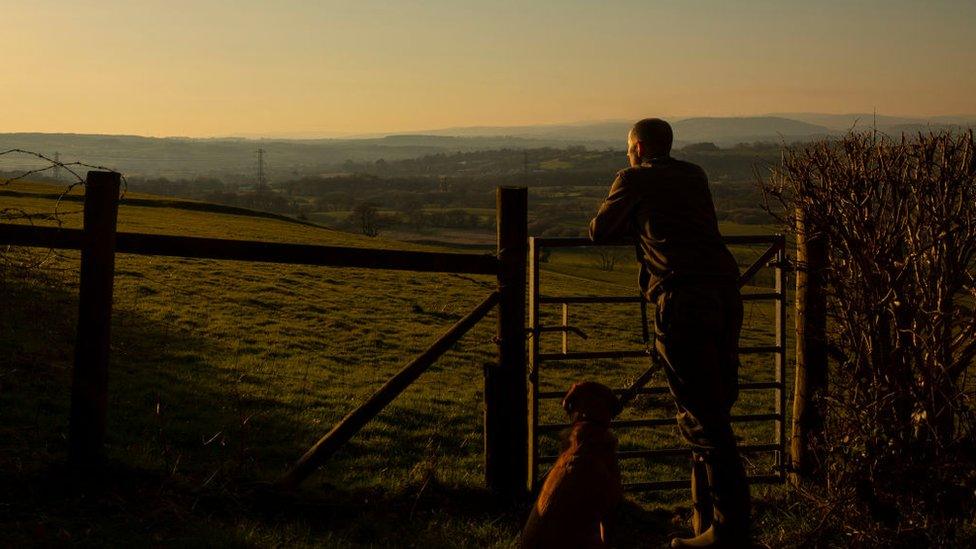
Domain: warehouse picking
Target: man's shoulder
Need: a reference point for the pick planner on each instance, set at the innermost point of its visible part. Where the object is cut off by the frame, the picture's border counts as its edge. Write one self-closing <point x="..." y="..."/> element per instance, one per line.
<point x="690" y="167"/>
<point x="685" y="163"/>
<point x="651" y="171"/>
<point x="629" y="172"/>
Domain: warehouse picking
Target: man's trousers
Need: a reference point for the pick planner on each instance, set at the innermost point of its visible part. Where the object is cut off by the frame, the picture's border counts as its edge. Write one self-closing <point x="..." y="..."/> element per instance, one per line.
<point x="697" y="329"/>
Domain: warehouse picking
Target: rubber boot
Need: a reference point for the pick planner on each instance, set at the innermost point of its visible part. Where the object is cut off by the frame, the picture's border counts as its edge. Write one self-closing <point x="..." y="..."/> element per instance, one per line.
<point x="729" y="491"/>
<point x="730" y="496"/>
<point x="705" y="539"/>
<point x="701" y="496"/>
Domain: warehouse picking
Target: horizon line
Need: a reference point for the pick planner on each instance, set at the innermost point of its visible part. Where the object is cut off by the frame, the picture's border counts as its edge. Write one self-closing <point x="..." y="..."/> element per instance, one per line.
<point x="324" y="135"/>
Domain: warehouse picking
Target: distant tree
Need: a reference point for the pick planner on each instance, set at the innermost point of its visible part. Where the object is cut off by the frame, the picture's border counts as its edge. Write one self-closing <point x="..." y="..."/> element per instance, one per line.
<point x="444" y="185"/>
<point x="366" y="217"/>
<point x="701" y="147"/>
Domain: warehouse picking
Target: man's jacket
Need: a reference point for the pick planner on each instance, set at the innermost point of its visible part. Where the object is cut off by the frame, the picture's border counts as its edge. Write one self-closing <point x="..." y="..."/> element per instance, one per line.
<point x="667" y="204"/>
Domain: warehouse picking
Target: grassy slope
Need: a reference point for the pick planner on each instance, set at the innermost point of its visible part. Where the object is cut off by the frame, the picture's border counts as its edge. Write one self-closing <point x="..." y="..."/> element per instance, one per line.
<point x="223" y="373"/>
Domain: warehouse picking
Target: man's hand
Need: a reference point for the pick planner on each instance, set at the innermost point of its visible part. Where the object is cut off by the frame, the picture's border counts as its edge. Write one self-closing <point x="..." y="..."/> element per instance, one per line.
<point x="614" y="220"/>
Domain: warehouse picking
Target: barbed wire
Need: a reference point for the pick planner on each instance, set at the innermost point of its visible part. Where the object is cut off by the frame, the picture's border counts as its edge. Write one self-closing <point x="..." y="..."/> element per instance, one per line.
<point x="51" y="165"/>
<point x="34" y="261"/>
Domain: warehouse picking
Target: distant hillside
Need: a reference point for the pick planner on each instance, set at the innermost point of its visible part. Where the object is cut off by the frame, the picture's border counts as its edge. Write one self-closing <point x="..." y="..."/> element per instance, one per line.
<point x="234" y="159"/>
<point x="593" y="133"/>
<point x="719" y="130"/>
<point x="725" y="131"/>
<point x="889" y="124"/>
<point x="737" y="130"/>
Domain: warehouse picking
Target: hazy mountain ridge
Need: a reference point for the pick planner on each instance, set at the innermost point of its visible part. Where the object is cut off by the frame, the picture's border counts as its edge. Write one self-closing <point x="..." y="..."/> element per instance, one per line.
<point x="185" y="157"/>
<point x="864" y="121"/>
<point x="232" y="156"/>
<point x="724" y="130"/>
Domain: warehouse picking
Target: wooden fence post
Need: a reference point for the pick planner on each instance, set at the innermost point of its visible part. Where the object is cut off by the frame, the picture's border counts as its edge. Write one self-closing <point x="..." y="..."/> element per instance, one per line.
<point x="89" y="380"/>
<point x="506" y="393"/>
<point x="811" y="350"/>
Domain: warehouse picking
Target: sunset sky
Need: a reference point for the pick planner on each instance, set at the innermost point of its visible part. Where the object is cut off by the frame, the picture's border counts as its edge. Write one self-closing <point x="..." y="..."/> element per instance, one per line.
<point x="327" y="68"/>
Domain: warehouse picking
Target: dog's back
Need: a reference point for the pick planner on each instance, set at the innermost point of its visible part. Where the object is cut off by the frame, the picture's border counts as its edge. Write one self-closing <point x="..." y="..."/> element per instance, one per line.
<point x="580" y="493"/>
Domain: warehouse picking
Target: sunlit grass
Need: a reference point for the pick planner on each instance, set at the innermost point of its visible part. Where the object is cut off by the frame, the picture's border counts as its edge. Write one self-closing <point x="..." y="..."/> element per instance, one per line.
<point x="223" y="373"/>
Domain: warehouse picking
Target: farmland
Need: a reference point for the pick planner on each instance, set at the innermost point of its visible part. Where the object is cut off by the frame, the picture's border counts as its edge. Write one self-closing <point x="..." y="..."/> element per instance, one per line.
<point x="223" y="373"/>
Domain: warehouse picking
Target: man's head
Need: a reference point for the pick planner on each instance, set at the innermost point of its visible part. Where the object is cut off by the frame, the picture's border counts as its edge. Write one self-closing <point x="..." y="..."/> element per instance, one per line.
<point x="649" y="138"/>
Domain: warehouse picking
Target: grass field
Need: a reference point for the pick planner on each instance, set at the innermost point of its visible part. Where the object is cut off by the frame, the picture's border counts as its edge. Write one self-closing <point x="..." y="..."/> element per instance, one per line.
<point x="223" y="373"/>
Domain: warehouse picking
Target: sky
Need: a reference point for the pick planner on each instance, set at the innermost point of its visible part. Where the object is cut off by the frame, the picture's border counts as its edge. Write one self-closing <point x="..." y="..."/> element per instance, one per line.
<point x="305" y="68"/>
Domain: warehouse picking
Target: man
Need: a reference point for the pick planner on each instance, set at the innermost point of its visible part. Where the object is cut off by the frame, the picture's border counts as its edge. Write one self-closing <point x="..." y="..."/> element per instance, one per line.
<point x="691" y="277"/>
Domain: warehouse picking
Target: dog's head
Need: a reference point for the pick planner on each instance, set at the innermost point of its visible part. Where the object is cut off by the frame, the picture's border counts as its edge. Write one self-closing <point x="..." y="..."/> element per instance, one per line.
<point x="591" y="401"/>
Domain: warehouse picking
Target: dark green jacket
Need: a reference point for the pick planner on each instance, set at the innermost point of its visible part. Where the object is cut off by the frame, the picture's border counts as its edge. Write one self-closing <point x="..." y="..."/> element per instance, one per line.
<point x="666" y="202"/>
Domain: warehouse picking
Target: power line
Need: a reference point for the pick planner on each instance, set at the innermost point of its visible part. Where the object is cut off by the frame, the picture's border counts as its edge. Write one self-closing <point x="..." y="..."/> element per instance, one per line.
<point x="262" y="181"/>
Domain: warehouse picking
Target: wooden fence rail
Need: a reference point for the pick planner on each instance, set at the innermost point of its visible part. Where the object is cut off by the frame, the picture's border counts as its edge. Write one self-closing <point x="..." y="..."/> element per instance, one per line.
<point x="99" y="241"/>
<point x="255" y="251"/>
<point x="358" y="418"/>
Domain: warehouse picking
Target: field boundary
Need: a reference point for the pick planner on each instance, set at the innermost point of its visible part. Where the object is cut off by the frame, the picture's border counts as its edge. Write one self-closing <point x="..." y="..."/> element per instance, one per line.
<point x="510" y="384"/>
<point x="505" y="383"/>
<point x="174" y="203"/>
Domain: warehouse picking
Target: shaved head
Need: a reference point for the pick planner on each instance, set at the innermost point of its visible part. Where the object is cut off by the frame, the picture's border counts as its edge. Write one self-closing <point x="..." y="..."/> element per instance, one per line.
<point x="655" y="135"/>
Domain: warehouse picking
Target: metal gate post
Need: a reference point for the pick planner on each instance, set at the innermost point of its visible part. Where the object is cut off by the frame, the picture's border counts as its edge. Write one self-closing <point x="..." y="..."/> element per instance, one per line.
<point x="534" y="333"/>
<point x="781" y="356"/>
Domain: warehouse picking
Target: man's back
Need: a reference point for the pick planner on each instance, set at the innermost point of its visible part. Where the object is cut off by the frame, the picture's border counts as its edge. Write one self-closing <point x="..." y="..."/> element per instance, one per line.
<point x="666" y="202"/>
<point x="689" y="275"/>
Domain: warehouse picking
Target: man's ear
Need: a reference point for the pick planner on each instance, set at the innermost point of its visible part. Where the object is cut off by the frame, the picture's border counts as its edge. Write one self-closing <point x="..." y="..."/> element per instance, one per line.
<point x="640" y="149"/>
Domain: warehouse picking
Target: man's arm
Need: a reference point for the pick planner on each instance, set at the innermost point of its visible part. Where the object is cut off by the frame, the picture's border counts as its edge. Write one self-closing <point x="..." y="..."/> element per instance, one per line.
<point x="614" y="220"/>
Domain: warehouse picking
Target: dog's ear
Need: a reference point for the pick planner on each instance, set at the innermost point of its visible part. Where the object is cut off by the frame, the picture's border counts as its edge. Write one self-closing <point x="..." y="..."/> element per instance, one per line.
<point x="568" y="399"/>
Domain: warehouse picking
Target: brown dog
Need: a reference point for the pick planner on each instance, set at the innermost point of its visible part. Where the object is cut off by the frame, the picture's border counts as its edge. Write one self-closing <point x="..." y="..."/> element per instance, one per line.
<point x="575" y="506"/>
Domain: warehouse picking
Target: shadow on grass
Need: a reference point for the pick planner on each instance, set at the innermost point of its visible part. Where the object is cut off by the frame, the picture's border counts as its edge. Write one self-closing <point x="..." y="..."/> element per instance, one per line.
<point x="170" y="482"/>
<point x="125" y="506"/>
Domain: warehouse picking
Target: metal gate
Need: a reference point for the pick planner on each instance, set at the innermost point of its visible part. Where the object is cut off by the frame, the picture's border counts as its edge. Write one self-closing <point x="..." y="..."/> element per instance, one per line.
<point x="773" y="254"/>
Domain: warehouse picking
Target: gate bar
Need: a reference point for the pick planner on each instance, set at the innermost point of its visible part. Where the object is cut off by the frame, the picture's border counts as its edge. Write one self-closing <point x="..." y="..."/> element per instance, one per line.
<point x="752" y="386"/>
<point x="776" y="249"/>
<point x="674" y="452"/>
<point x="678" y="484"/>
<point x="657" y="422"/>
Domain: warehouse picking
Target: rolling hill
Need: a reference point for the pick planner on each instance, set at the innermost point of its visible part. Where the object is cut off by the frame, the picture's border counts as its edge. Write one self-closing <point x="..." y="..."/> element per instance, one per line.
<point x="234" y="159"/>
<point x="719" y="130"/>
